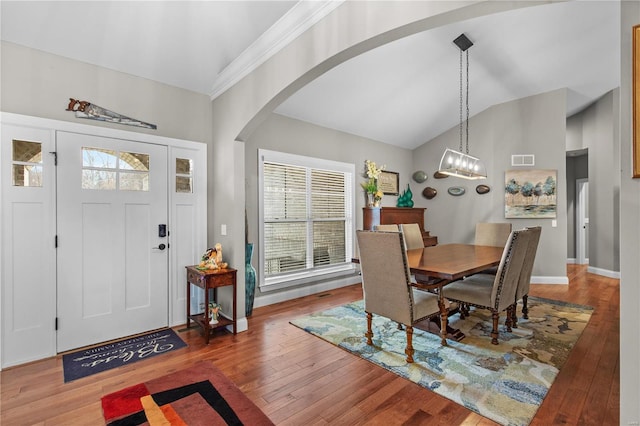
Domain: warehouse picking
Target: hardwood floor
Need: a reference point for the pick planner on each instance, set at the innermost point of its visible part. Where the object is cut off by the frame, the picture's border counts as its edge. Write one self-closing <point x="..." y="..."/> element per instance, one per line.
<point x="299" y="379"/>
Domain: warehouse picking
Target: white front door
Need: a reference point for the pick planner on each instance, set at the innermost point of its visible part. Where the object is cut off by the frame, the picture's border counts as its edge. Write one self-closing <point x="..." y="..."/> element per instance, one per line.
<point x="112" y="257"/>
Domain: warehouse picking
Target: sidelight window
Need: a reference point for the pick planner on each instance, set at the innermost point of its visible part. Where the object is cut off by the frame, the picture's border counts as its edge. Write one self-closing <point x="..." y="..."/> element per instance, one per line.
<point x="27" y="163"/>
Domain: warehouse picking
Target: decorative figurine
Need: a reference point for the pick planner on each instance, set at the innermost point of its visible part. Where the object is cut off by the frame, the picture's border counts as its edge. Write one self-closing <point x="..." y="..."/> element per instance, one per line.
<point x="214" y="311"/>
<point x="212" y="259"/>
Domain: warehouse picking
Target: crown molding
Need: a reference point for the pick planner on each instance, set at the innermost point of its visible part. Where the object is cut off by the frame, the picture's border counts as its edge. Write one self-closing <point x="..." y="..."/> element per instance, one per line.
<point x="296" y="21"/>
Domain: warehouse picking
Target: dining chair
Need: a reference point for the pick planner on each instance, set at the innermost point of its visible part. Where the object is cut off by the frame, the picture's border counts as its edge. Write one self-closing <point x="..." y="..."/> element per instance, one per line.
<point x="494" y="292"/>
<point x="412" y="235"/>
<point x="387" y="287"/>
<point x="492" y="234"/>
<point x="413" y="240"/>
<point x="524" y="281"/>
<point x="387" y="228"/>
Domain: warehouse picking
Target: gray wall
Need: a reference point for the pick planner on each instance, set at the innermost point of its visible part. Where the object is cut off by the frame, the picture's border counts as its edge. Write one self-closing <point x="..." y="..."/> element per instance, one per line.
<point x="40" y="84"/>
<point x="534" y="125"/>
<point x="280" y="133"/>
<point x="630" y="237"/>
<point x="599" y="136"/>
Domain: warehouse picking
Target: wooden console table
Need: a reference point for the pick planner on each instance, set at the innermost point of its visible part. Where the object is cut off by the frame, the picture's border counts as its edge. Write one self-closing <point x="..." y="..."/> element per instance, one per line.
<point x="206" y="280"/>
<point x="373" y="216"/>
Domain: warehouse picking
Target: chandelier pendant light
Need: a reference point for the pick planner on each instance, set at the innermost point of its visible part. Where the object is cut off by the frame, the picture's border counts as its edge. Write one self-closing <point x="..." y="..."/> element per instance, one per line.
<point x="459" y="163"/>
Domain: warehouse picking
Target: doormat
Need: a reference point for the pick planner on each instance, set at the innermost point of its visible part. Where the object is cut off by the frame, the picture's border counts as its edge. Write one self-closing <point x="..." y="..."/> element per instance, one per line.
<point x="505" y="383"/>
<point x="198" y="395"/>
<point x="88" y="361"/>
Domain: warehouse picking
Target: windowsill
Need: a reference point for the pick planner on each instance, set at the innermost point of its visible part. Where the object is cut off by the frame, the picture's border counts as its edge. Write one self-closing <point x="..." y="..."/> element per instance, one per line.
<point x="306" y="277"/>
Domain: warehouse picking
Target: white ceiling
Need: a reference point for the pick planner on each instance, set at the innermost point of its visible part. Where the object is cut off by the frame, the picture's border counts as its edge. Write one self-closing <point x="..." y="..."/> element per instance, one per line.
<point x="404" y="93"/>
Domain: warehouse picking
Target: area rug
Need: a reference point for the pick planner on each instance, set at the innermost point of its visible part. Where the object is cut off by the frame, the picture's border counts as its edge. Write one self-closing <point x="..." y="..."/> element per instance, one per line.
<point x="505" y="383"/>
<point x="88" y="361"/>
<point x="198" y="395"/>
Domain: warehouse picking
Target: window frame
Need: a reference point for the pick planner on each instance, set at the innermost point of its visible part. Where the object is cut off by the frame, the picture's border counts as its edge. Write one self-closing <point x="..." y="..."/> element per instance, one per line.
<point x="308" y="275"/>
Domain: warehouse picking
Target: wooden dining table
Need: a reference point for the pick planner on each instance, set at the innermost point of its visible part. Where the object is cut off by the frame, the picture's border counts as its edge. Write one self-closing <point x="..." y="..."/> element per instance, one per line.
<point x="439" y="265"/>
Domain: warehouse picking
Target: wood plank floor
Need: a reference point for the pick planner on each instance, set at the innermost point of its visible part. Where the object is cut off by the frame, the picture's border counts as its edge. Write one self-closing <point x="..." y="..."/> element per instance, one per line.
<point x="298" y="379"/>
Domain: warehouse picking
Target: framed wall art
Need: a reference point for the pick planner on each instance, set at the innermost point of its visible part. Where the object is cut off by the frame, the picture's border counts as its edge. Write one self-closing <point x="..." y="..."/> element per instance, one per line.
<point x="530" y="194"/>
<point x="635" y="63"/>
<point x="389" y="182"/>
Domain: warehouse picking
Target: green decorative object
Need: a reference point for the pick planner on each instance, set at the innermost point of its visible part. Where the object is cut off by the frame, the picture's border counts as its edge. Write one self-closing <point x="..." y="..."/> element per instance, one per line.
<point x="406" y="199"/>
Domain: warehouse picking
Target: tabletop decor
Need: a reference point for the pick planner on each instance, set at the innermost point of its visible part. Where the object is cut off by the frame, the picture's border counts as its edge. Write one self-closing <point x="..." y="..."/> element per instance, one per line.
<point x="406" y="199"/>
<point x="530" y="194"/>
<point x="370" y="186"/>
<point x="505" y="383"/>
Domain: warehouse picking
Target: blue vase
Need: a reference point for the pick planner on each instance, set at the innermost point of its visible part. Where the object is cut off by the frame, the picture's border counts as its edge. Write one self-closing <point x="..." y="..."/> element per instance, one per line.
<point x="249" y="280"/>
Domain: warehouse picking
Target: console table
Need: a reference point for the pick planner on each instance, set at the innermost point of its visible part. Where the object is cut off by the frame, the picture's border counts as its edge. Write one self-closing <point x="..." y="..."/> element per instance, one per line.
<point x="207" y="280"/>
<point x="373" y="216"/>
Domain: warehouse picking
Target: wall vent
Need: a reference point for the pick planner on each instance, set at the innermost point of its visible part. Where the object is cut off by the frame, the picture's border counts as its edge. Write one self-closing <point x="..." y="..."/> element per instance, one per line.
<point x="518" y="160"/>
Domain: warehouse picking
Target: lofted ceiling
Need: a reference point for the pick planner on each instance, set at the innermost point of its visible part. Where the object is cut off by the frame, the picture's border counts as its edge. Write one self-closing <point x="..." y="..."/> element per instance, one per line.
<point x="403" y="93"/>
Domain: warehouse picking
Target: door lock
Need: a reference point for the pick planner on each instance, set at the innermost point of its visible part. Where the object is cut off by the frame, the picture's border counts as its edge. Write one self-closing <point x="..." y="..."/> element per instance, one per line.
<point x="160" y="247"/>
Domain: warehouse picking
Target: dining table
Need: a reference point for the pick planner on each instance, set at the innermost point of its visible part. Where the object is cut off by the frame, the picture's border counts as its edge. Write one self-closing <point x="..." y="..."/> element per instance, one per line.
<point x="436" y="266"/>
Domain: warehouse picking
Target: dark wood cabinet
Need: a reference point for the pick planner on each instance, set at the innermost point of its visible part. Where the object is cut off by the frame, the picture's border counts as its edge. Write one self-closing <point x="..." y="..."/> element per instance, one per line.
<point x="372" y="216"/>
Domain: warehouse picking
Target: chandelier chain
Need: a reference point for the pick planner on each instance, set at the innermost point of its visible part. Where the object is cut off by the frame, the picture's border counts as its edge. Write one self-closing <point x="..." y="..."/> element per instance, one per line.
<point x="460" y="101"/>
<point x="467" y="101"/>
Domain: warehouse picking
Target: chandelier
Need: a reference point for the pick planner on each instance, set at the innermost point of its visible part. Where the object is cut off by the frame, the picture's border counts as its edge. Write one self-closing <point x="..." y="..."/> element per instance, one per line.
<point x="459" y="163"/>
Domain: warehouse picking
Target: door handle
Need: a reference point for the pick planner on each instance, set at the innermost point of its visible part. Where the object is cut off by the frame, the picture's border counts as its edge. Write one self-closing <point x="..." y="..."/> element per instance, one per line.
<point x="160" y="247"/>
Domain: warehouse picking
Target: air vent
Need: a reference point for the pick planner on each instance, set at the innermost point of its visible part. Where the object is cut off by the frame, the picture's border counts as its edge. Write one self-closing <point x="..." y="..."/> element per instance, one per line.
<point x="519" y="160"/>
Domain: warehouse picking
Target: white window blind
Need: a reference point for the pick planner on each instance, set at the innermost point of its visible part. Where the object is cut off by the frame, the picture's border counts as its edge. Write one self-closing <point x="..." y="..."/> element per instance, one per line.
<point x="306" y="217"/>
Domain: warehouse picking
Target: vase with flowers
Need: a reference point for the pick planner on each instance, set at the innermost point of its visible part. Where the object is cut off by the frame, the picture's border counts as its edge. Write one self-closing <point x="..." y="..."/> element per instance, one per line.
<point x="370" y="186"/>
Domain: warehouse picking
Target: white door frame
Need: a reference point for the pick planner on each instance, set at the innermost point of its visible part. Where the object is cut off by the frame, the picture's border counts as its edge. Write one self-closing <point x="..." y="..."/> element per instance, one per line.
<point x="188" y="241"/>
<point x="582" y="220"/>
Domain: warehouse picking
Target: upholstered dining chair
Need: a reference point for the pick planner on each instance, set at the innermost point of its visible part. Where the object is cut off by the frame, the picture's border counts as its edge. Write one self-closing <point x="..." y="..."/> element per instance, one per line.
<point x="412" y="235"/>
<point x="387" y="228"/>
<point x="387" y="287"/>
<point x="524" y="282"/>
<point x="413" y="240"/>
<point x="492" y="234"/>
<point x="494" y="292"/>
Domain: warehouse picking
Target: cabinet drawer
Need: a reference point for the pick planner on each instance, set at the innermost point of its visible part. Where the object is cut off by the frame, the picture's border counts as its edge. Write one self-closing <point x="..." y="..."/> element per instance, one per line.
<point x="221" y="280"/>
<point x="195" y="278"/>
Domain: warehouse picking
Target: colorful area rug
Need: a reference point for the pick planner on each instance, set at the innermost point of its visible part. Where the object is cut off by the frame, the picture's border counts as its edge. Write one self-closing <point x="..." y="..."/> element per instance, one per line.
<point x="86" y="362"/>
<point x="505" y="383"/>
<point x="198" y="395"/>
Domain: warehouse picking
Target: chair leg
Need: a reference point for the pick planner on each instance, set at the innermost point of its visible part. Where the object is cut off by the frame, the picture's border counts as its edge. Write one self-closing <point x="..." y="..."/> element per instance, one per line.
<point x="409" y="349"/>
<point x="369" y="333"/>
<point x="525" y="309"/>
<point x="509" y="319"/>
<point x="494" y="332"/>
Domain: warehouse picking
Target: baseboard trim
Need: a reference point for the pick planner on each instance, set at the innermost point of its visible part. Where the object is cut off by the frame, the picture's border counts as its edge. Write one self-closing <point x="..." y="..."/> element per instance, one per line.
<point x="604" y="272"/>
<point x="294" y="293"/>
<point x="242" y="324"/>
<point x="571" y="260"/>
<point x="550" y="280"/>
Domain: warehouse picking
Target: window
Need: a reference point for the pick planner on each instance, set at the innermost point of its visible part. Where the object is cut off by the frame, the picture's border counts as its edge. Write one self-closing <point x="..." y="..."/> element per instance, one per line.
<point x="306" y="216"/>
<point x="184" y="175"/>
<point x="101" y="168"/>
<point x="27" y="163"/>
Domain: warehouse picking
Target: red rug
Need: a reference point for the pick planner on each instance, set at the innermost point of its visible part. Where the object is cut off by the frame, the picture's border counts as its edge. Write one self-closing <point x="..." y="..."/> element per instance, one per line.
<point x="198" y="395"/>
